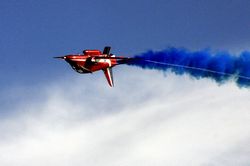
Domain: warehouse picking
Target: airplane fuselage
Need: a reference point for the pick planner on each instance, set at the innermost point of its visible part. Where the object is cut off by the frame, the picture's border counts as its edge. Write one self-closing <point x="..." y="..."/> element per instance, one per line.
<point x="89" y="63"/>
<point x="94" y="60"/>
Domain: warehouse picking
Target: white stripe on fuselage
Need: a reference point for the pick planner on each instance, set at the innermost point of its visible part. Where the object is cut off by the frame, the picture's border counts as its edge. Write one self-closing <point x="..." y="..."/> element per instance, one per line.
<point x="80" y="60"/>
<point x="105" y="61"/>
<point x="101" y="60"/>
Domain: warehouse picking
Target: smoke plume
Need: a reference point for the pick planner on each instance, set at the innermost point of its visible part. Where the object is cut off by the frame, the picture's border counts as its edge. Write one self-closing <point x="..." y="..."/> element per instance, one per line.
<point x="220" y="67"/>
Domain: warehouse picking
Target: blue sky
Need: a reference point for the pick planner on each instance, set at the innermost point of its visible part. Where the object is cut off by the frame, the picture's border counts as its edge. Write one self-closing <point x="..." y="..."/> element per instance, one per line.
<point x="44" y="104"/>
<point x="33" y="32"/>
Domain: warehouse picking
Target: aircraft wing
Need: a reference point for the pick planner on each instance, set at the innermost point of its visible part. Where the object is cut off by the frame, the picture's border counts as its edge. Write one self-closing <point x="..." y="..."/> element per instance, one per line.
<point x="109" y="76"/>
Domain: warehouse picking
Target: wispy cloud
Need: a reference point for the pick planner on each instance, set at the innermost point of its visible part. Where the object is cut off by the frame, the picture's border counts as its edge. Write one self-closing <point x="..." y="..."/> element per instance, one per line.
<point x="146" y="120"/>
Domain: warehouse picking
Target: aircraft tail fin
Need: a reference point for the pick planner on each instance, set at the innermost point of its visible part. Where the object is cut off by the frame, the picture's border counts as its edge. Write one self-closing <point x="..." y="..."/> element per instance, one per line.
<point x="106" y="50"/>
<point x="109" y="76"/>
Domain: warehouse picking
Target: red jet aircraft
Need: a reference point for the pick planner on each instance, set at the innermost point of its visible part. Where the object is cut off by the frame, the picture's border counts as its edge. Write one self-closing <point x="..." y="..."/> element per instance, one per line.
<point x="94" y="60"/>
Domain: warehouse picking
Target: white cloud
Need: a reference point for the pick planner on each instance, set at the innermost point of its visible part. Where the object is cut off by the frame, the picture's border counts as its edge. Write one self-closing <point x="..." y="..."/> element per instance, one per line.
<point x="145" y="120"/>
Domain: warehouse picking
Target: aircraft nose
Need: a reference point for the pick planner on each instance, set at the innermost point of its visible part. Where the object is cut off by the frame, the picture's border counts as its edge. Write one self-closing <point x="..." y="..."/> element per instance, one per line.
<point x="60" y="57"/>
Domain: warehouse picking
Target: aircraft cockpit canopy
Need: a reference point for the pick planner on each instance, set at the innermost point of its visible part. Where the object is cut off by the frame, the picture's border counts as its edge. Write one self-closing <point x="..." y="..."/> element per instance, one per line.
<point x="92" y="52"/>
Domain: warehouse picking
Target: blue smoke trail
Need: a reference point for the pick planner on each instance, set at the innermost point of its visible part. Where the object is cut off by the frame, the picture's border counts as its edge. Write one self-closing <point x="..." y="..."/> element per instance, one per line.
<point x="220" y="67"/>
